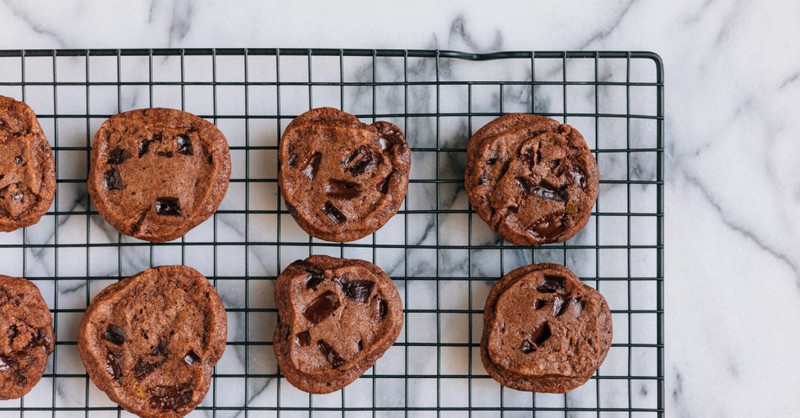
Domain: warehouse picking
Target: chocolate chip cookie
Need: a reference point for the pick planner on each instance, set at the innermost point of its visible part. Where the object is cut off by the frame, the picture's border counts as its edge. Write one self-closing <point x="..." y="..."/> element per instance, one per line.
<point x="157" y="173"/>
<point x="336" y="318"/>
<point x="532" y="179"/>
<point x="151" y="341"/>
<point x="341" y="179"/>
<point x="26" y="336"/>
<point x="27" y="167"/>
<point x="544" y="330"/>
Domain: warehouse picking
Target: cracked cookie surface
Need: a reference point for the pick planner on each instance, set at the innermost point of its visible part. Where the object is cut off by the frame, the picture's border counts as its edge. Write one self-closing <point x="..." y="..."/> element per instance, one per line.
<point x="157" y="173"/>
<point x="336" y="318"/>
<point x="151" y="341"/>
<point x="26" y="336"/>
<point x="27" y="167"/>
<point x="531" y="178"/>
<point x="544" y="330"/>
<point x="342" y="179"/>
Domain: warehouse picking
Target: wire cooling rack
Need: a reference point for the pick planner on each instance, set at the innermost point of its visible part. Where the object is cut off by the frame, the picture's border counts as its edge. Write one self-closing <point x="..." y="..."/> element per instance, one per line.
<point x="443" y="258"/>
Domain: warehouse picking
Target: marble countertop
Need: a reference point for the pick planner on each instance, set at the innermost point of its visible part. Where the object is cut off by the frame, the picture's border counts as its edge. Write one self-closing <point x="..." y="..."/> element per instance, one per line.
<point x="732" y="82"/>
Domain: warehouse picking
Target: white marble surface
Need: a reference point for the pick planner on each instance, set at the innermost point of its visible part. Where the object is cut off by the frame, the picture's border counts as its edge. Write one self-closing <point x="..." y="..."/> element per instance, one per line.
<point x="732" y="192"/>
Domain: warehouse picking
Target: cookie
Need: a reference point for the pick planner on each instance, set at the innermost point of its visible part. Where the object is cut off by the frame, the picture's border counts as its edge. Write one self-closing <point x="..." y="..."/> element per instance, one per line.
<point x="341" y="179"/>
<point x="531" y="178"/>
<point x="157" y="173"/>
<point x="150" y="341"/>
<point x="544" y="330"/>
<point x="336" y="317"/>
<point x="27" y="167"/>
<point x="26" y="336"/>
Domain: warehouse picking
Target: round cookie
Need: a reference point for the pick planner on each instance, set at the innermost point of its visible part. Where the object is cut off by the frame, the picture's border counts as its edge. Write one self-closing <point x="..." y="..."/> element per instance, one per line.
<point x="150" y="341"/>
<point x="532" y="179"/>
<point x="336" y="318"/>
<point x="157" y="173"/>
<point x="544" y="330"/>
<point x="341" y="179"/>
<point x="27" y="167"/>
<point x="26" y="336"/>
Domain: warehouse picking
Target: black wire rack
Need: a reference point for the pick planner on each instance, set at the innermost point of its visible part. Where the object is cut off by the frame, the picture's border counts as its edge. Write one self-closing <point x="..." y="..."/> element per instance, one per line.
<point x="443" y="258"/>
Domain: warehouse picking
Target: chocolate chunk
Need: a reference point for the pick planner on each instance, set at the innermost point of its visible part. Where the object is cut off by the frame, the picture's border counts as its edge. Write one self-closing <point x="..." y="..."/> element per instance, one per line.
<point x="143" y="367"/>
<point x="549" y="227"/>
<point x="384" y="186"/>
<point x="18" y="197"/>
<point x="184" y="145"/>
<point x="113" y="365"/>
<point x="357" y="290"/>
<point x="285" y="331"/>
<point x="541" y="333"/>
<point x="168" y="206"/>
<point x="170" y="398"/>
<point x="303" y="339"/>
<point x="114" y="334"/>
<point x="545" y="192"/>
<point x="342" y="189"/>
<point x="330" y="354"/>
<point x="191" y="358"/>
<point x="315" y="274"/>
<point x="527" y="347"/>
<point x="382" y="309"/>
<point x="292" y="160"/>
<point x="322" y="307"/>
<point x="552" y="283"/>
<point x="144" y="146"/>
<point x="4" y="364"/>
<point x="538" y="303"/>
<point x="558" y="306"/>
<point x="312" y="165"/>
<point x="18" y="160"/>
<point x="118" y="156"/>
<point x="359" y="161"/>
<point x="578" y="178"/>
<point x="334" y="214"/>
<point x="112" y="179"/>
<point x="526" y="184"/>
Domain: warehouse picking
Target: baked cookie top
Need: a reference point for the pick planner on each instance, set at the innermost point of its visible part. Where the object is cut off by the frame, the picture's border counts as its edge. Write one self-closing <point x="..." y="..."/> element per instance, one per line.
<point x="151" y="341"/>
<point x="342" y="179"/>
<point x="157" y="173"/>
<point x="336" y="318"/>
<point x="544" y="330"/>
<point x="26" y="336"/>
<point x="27" y="167"/>
<point x="531" y="178"/>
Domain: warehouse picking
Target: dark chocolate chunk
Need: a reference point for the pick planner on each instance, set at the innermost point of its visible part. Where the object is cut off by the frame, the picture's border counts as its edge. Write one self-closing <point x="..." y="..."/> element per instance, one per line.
<point x="184" y="145"/>
<point x="527" y="347"/>
<point x="383" y="309"/>
<point x="578" y="178"/>
<point x="333" y="213"/>
<point x="170" y="398"/>
<point x="357" y="290"/>
<point x="558" y="306"/>
<point x="330" y="354"/>
<point x="113" y="365"/>
<point x="168" y="206"/>
<point x="112" y="179"/>
<point x="191" y="358"/>
<point x="322" y="307"/>
<point x="114" y="334"/>
<point x="18" y="160"/>
<point x="359" y="161"/>
<point x="539" y="303"/>
<point x="303" y="339"/>
<point x="118" y="156"/>
<point x="384" y="186"/>
<point x="312" y="165"/>
<point x="315" y="274"/>
<point x="541" y="333"/>
<point x="552" y="283"/>
<point x="342" y="189"/>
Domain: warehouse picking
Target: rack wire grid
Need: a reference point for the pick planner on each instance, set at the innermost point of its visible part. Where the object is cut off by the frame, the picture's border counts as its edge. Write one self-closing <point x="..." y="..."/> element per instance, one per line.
<point x="442" y="257"/>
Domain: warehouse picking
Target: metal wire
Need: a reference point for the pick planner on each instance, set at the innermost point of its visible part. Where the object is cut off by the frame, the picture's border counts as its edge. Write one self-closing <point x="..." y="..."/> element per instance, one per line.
<point x="620" y="252"/>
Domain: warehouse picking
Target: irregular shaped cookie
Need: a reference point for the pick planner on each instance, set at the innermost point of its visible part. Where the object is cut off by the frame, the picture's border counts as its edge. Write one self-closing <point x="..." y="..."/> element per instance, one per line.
<point x="26" y="336"/>
<point x="544" y="330"/>
<point x="532" y="179"/>
<point x="336" y="318"/>
<point x="150" y="342"/>
<point x="341" y="179"/>
<point x="27" y="168"/>
<point x="157" y="173"/>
